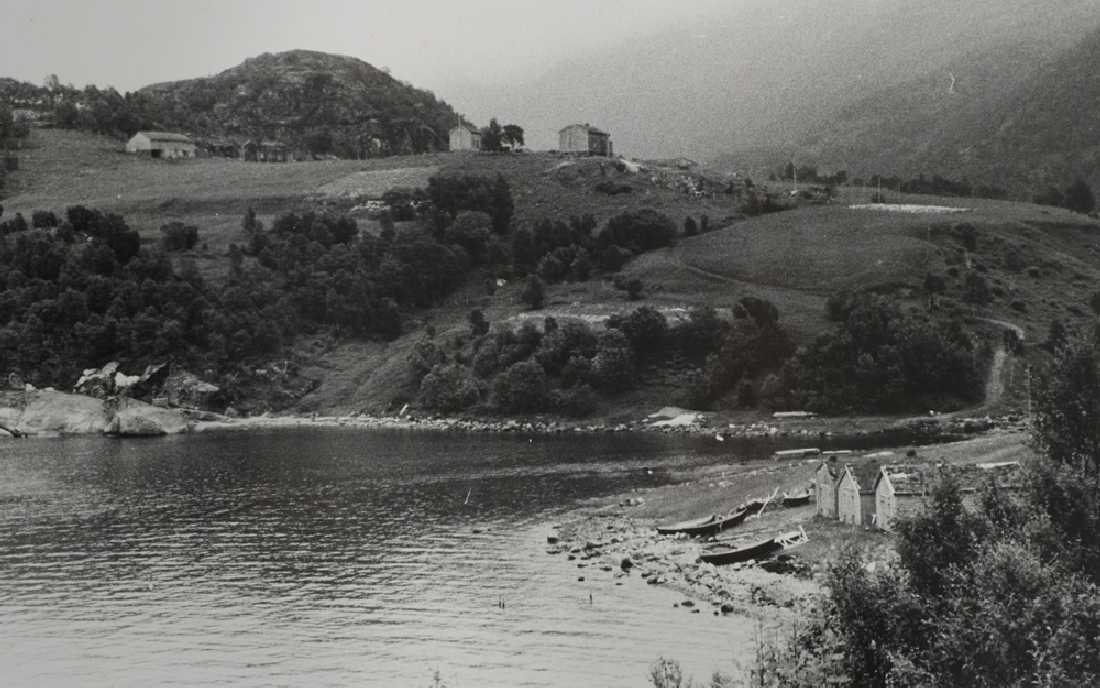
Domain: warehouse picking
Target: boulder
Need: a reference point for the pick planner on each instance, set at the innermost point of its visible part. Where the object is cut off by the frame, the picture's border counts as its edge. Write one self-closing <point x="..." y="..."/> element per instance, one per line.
<point x="14" y="381"/>
<point x="50" y="411"/>
<point x="134" y="418"/>
<point x="97" y="382"/>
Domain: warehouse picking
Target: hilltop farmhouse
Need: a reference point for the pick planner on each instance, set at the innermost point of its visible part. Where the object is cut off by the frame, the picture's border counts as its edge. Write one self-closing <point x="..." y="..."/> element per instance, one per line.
<point x="585" y="139"/>
<point x="161" y="144"/>
<point x="465" y="137"/>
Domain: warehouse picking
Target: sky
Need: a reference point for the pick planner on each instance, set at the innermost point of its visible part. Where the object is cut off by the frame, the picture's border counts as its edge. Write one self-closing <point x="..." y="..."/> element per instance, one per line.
<point x="440" y="45"/>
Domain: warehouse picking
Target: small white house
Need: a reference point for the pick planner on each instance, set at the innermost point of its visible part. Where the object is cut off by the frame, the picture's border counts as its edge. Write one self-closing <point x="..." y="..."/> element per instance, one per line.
<point x="900" y="491"/>
<point x="161" y="144"/>
<point x="465" y="137"/>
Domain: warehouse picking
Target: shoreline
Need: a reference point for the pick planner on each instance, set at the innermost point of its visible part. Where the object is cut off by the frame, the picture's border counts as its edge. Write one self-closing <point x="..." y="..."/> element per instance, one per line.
<point x="616" y="535"/>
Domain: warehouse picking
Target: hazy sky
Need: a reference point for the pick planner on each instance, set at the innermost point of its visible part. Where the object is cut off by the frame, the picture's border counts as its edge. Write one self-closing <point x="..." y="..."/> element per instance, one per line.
<point x="435" y="44"/>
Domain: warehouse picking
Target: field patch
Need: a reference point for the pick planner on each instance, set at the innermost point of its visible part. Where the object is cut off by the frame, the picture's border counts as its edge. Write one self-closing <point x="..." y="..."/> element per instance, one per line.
<point x="374" y="183"/>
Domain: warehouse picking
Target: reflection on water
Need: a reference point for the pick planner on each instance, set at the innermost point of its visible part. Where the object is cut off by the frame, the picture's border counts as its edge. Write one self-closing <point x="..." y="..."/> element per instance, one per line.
<point x="329" y="558"/>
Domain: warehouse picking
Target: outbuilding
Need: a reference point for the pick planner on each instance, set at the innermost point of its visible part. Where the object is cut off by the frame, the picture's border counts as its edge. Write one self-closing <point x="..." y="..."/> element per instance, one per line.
<point x="826" y="482"/>
<point x="855" y="494"/>
<point x="465" y="137"/>
<point x="585" y="139"/>
<point x="161" y="144"/>
<point x="900" y="491"/>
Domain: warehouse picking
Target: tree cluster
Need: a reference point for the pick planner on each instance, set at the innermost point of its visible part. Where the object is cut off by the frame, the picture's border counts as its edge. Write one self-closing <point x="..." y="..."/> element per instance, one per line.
<point x="884" y="358"/>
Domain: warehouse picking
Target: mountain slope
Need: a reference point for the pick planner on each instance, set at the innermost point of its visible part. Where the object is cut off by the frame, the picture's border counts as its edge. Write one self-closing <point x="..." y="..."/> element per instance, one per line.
<point x="1015" y="116"/>
<point x="315" y="100"/>
<point x="763" y="72"/>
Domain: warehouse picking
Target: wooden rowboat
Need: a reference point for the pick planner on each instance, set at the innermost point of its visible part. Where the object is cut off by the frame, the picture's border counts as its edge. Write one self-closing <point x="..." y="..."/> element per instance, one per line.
<point x="756" y="550"/>
<point x="704" y="526"/>
<point x="802" y="499"/>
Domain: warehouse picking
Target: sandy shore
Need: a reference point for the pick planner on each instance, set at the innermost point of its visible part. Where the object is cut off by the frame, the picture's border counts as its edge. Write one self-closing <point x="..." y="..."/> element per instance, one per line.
<point x="618" y="535"/>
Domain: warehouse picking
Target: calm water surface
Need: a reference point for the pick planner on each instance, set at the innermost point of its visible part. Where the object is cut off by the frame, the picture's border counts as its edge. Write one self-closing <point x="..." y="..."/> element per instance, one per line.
<point x="331" y="558"/>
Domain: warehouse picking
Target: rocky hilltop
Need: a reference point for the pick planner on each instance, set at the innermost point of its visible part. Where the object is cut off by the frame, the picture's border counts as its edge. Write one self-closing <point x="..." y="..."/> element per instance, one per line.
<point x="315" y="101"/>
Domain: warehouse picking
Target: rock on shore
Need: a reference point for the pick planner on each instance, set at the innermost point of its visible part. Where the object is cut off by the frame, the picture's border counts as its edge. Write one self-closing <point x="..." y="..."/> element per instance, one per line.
<point x="49" y="412"/>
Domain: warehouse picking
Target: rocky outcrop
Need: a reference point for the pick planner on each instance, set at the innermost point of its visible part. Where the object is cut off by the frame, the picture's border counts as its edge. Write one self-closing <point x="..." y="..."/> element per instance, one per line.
<point x="47" y="411"/>
<point x="98" y="382"/>
<point x="186" y="390"/>
<point x="133" y="418"/>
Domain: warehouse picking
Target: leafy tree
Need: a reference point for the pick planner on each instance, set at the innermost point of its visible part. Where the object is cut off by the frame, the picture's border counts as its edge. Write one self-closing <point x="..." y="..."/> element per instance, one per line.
<point x="613" y="364"/>
<point x="491" y="136"/>
<point x="512" y="135"/>
<point x="522" y="388"/>
<point x="43" y="219"/>
<point x="448" y="387"/>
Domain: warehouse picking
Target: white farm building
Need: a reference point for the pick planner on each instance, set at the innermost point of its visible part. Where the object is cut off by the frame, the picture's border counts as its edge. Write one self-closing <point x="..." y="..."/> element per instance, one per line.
<point x="161" y="144"/>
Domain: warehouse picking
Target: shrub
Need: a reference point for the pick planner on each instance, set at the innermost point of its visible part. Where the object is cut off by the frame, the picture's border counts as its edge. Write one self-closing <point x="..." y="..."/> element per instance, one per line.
<point x="534" y="293"/>
<point x="613" y="364"/>
<point x="613" y="188"/>
<point x="176" y="236"/>
<point x="478" y="324"/>
<point x="43" y="218"/>
<point x="639" y="231"/>
<point x="1079" y="197"/>
<point x="976" y="290"/>
<point x="579" y="401"/>
<point x="449" y="388"/>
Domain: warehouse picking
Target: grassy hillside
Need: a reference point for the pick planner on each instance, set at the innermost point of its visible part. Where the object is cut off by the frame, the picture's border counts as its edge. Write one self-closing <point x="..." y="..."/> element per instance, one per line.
<point x="1040" y="263"/>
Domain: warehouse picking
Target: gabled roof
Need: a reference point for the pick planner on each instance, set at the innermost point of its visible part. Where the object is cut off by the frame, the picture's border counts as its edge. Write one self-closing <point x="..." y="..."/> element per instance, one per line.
<point x="907" y="478"/>
<point x="468" y="127"/>
<point x="865" y="474"/>
<point x="166" y="136"/>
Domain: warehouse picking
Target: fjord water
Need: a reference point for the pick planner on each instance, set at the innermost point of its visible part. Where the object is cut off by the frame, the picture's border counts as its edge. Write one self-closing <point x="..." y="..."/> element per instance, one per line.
<point x="331" y="558"/>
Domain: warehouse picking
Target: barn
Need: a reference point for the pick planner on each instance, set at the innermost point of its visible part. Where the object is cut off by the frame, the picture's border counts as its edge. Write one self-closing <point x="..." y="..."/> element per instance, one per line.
<point x="465" y="137"/>
<point x="585" y="139"/>
<point x="899" y="492"/>
<point x="825" y="486"/>
<point x="161" y="144"/>
<point x="855" y="495"/>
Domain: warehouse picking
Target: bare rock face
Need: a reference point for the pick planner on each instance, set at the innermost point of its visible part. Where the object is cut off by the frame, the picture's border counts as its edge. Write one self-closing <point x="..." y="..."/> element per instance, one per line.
<point x="133" y="418"/>
<point x="50" y="411"/>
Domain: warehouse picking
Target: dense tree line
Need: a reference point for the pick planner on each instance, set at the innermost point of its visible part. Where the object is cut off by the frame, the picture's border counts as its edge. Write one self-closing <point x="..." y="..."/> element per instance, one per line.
<point x="1078" y="197"/>
<point x="1004" y="594"/>
<point x="882" y="357"/>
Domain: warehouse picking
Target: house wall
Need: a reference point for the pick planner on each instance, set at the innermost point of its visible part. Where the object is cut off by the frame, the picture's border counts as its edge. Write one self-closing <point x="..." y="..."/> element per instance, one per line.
<point x="464" y="139"/>
<point x="573" y="139"/>
<point x="849" y="504"/>
<point x="885" y="503"/>
<point x="599" y="145"/>
<point x="825" y="493"/>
